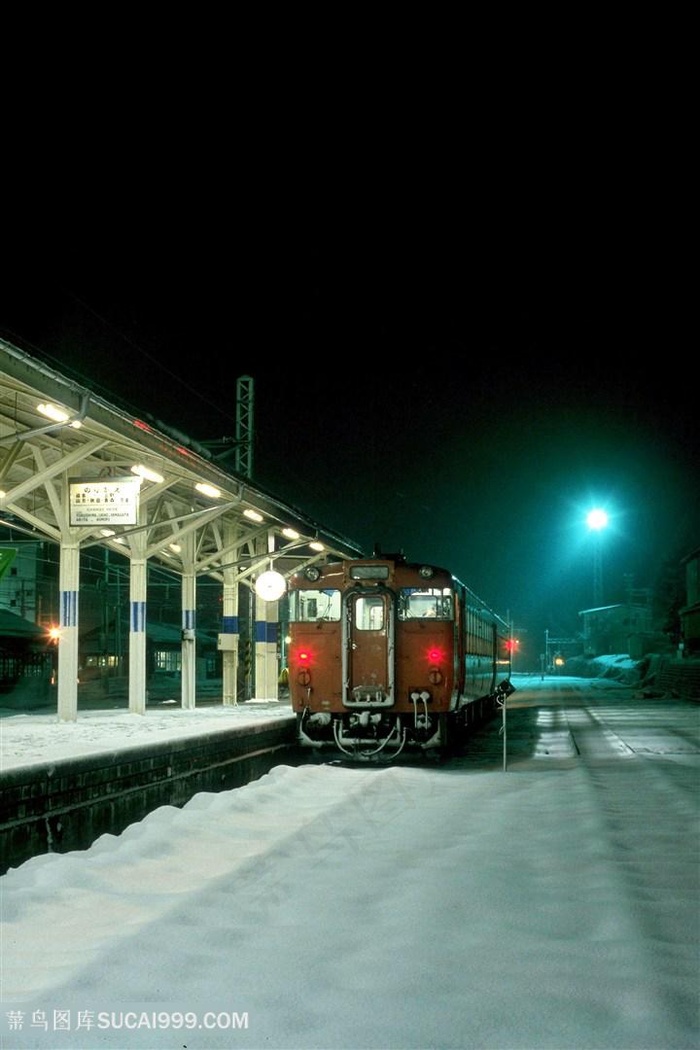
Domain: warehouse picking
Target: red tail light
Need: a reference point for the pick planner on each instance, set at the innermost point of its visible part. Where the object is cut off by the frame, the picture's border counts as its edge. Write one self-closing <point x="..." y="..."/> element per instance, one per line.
<point x="304" y="667"/>
<point x="436" y="657"/>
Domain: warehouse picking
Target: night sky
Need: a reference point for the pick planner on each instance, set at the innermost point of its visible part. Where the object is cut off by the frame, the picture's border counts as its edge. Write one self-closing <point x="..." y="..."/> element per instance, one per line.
<point x="467" y="408"/>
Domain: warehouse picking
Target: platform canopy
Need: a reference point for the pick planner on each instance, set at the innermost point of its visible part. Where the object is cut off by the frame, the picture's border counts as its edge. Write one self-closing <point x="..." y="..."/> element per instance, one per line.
<point x="71" y="476"/>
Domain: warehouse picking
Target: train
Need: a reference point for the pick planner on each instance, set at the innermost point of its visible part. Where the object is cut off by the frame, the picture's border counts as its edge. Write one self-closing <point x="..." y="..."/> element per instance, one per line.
<point x="389" y="657"/>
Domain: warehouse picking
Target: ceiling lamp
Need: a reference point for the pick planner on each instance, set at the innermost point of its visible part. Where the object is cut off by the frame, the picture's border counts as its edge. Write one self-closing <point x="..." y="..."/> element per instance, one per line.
<point x="146" y="473"/>
<point x="208" y="490"/>
<point x="56" y="413"/>
<point x="59" y="415"/>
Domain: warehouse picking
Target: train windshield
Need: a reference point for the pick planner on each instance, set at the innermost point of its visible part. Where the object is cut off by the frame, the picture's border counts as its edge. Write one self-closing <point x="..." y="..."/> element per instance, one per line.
<point x="307" y="606"/>
<point x="436" y="602"/>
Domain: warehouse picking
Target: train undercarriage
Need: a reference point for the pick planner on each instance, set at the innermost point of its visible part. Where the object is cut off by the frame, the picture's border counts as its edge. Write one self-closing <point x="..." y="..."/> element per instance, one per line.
<point x="367" y="734"/>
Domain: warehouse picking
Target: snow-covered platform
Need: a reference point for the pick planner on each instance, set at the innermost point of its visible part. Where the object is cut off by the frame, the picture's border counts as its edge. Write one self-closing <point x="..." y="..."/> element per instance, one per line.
<point x="65" y="783"/>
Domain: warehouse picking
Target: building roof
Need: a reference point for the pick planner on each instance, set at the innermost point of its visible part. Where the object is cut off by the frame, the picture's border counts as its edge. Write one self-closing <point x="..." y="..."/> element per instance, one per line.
<point x="13" y="626"/>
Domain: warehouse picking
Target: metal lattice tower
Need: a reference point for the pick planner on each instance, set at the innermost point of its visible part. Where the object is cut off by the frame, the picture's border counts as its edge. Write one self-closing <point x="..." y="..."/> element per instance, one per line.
<point x="245" y="406"/>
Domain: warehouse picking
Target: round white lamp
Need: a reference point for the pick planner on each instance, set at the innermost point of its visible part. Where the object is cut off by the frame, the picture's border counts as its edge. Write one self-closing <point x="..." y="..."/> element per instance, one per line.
<point x="270" y="585"/>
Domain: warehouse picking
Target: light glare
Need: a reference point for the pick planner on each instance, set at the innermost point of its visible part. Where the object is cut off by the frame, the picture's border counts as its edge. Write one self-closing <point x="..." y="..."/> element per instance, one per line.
<point x="597" y="519"/>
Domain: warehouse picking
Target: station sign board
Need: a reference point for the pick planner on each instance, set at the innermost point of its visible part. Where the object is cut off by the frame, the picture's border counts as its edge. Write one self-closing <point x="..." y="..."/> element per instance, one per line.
<point x="104" y="501"/>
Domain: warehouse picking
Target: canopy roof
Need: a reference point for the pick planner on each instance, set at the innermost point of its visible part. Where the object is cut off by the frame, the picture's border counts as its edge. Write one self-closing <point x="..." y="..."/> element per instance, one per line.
<point x="45" y="466"/>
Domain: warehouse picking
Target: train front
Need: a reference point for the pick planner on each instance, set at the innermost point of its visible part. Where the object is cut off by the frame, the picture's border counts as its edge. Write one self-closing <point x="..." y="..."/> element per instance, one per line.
<point x="371" y="656"/>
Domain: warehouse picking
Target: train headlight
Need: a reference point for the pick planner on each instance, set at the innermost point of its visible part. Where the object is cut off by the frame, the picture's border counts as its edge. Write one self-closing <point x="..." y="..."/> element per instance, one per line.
<point x="312" y="572"/>
<point x="426" y="571"/>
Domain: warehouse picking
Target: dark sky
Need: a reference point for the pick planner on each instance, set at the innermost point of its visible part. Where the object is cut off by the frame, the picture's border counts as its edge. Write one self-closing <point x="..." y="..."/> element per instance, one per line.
<point x="466" y="406"/>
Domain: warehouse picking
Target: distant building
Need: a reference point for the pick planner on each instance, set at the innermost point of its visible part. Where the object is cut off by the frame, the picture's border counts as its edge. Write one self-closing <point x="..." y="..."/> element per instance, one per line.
<point x="18" y="579"/>
<point x="25" y="650"/>
<point x="690" y="612"/>
<point x="625" y="628"/>
<point x="24" y="643"/>
<point x="106" y="654"/>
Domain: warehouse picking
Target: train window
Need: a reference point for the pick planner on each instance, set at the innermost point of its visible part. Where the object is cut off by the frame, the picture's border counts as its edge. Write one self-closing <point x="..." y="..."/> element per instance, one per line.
<point x="307" y="606"/>
<point x="369" y="613"/>
<point x="435" y="602"/>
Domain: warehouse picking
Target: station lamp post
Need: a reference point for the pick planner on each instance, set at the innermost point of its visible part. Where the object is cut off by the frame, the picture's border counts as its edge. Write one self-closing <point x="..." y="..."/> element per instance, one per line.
<point x="597" y="520"/>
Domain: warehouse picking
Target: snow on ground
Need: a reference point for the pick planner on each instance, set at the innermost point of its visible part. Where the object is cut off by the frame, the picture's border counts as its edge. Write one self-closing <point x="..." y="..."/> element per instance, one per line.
<point x="35" y="737"/>
<point x="550" y="907"/>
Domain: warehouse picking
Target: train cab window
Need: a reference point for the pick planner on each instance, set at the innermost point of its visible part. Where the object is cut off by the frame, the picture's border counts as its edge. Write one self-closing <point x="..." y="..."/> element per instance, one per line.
<point x="369" y="614"/>
<point x="308" y="606"/>
<point x="433" y="602"/>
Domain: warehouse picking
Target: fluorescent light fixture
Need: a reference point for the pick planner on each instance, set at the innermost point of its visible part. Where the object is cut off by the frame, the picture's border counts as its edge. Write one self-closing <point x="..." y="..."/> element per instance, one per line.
<point x="146" y="473"/>
<point x="175" y="547"/>
<point x="208" y="490"/>
<point x="290" y="534"/>
<point x="59" y="415"/>
<point x="107" y="532"/>
<point x="316" y="546"/>
<point x="253" y="515"/>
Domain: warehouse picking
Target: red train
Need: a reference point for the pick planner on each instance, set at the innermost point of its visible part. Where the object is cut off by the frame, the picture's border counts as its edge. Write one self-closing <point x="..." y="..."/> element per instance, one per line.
<point x="386" y="655"/>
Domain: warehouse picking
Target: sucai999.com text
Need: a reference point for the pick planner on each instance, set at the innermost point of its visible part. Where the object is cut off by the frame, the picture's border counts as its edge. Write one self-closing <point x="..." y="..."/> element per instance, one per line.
<point x="85" y="1020"/>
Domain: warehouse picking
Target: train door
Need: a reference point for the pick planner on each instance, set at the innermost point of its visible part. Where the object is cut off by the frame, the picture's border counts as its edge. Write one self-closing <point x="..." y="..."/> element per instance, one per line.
<point x="368" y="675"/>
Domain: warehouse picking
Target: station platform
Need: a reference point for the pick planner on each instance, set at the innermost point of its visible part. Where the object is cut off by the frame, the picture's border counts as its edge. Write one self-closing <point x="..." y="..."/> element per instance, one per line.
<point x="65" y="783"/>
